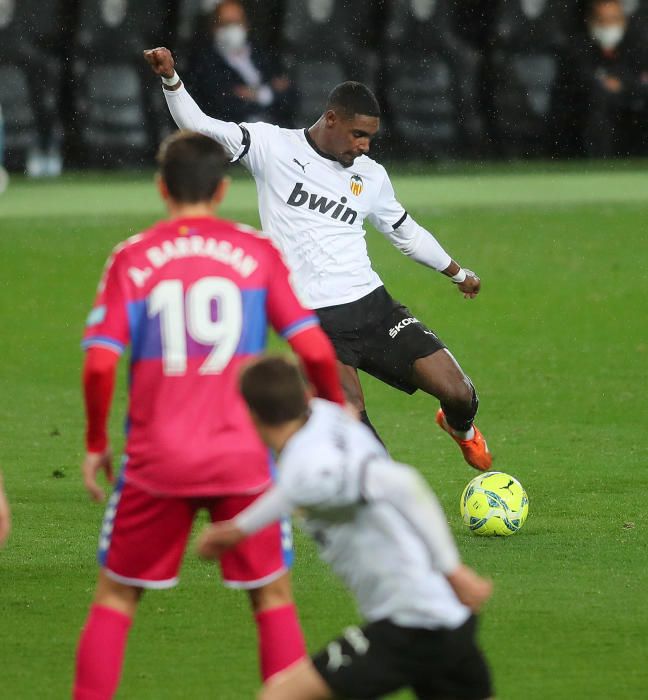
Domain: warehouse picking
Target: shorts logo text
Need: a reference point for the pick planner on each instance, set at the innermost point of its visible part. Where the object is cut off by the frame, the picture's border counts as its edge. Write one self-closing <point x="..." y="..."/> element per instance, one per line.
<point x="393" y="332"/>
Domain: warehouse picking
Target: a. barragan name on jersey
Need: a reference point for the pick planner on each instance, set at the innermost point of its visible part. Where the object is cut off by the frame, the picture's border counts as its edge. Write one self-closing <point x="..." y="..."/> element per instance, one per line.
<point x="195" y="246"/>
<point x="316" y="202"/>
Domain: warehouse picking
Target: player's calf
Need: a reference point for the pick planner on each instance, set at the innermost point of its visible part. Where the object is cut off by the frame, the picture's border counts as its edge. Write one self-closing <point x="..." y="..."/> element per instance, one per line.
<point x="281" y="641"/>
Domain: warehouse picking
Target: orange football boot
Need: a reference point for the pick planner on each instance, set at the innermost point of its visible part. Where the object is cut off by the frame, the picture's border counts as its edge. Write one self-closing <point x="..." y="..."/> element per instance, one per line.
<point x="475" y="451"/>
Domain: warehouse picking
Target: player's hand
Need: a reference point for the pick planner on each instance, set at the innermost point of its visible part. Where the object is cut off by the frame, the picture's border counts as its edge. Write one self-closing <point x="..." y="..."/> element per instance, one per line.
<point x="5" y="516"/>
<point x="161" y="61"/>
<point x="471" y="589"/>
<point x="470" y="286"/>
<point x="94" y="463"/>
<point x="216" y="538"/>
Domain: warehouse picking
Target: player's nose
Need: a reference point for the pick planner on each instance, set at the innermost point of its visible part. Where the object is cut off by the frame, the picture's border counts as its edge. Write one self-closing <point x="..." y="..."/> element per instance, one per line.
<point x="363" y="145"/>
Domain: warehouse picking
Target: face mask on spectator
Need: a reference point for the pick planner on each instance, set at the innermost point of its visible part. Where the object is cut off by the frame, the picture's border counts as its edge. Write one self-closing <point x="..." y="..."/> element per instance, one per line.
<point x="231" y="37"/>
<point x="608" y="37"/>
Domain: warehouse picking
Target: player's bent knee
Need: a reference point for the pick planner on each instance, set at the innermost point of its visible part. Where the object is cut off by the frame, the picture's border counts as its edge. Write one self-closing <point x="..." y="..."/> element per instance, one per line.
<point x="459" y="392"/>
<point x="116" y="595"/>
<point x="272" y="595"/>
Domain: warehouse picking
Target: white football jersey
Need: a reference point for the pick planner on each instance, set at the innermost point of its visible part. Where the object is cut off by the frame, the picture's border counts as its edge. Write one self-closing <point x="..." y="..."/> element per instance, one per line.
<point x="313" y="208"/>
<point x="339" y="476"/>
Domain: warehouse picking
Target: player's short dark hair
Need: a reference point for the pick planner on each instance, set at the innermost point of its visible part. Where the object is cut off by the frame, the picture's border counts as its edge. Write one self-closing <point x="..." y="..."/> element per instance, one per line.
<point x="192" y="166"/>
<point x="352" y="98"/>
<point x="274" y="389"/>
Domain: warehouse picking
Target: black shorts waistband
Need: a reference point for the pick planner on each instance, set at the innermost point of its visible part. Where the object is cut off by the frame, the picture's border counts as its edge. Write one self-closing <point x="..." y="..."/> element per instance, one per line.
<point x="355" y="314"/>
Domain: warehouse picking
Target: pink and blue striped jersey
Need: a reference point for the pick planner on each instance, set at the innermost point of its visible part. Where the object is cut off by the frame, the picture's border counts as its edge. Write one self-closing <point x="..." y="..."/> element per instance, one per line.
<point x="193" y="299"/>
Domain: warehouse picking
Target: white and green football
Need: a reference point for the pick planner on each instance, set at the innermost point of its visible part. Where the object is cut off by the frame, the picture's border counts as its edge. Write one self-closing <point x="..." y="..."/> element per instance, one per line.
<point x="494" y="503"/>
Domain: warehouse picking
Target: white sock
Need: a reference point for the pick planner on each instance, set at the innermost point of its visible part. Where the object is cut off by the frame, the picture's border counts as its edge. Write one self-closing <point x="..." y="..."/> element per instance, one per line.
<point x="464" y="434"/>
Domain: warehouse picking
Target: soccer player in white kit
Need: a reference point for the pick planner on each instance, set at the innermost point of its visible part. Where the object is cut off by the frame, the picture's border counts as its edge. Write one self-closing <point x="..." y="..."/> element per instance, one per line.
<point x="381" y="529"/>
<point x="315" y="188"/>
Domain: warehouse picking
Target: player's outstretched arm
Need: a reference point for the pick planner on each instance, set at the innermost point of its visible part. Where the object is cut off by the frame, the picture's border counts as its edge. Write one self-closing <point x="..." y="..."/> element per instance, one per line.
<point x="471" y="589"/>
<point x="163" y="64"/>
<point x="408" y="492"/>
<point x="420" y="245"/>
<point x="184" y="110"/>
<point x="5" y="515"/>
<point x="94" y="463"/>
<point x="99" y="370"/>
<point x="316" y="352"/>
<point x="216" y="538"/>
<point x="391" y="219"/>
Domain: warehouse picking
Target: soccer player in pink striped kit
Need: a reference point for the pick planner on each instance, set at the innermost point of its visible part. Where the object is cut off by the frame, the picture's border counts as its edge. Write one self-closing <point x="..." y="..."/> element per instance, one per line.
<point x="192" y="296"/>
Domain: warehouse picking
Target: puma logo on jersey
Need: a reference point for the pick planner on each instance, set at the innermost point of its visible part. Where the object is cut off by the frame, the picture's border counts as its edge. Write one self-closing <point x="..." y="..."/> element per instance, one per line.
<point x="299" y="197"/>
<point x="303" y="167"/>
<point x="393" y="332"/>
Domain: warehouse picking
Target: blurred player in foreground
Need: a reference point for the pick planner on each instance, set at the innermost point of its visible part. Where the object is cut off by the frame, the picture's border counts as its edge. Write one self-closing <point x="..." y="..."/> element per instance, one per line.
<point x="383" y="532"/>
<point x="5" y="515"/>
<point x="316" y="187"/>
<point x="192" y="296"/>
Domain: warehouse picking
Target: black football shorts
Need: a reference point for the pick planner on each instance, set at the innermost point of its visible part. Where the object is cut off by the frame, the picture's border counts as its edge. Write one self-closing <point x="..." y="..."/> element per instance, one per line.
<point x="380" y="336"/>
<point x="382" y="657"/>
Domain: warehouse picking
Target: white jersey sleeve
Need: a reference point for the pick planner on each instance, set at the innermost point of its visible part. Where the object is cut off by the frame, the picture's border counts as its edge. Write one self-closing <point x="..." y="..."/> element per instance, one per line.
<point x="406" y="491"/>
<point x="188" y="115"/>
<point x="273" y="505"/>
<point x="321" y="484"/>
<point x="247" y="142"/>
<point x="391" y="219"/>
<point x="260" y="137"/>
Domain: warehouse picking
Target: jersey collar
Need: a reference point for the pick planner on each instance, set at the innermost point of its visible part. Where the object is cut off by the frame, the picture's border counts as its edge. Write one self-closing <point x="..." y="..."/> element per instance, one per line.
<point x="314" y="146"/>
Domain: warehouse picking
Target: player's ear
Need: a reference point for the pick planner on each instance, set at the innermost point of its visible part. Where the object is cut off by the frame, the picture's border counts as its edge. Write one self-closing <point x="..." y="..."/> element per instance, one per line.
<point x="221" y="190"/>
<point x="162" y="187"/>
<point x="330" y="118"/>
<point x="310" y="392"/>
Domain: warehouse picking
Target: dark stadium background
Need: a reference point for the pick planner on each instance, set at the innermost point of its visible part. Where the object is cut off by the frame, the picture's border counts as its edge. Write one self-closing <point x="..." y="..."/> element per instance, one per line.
<point x="474" y="80"/>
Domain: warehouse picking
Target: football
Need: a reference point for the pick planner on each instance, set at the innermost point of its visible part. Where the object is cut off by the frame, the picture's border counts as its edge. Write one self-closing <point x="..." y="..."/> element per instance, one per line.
<point x="494" y="504"/>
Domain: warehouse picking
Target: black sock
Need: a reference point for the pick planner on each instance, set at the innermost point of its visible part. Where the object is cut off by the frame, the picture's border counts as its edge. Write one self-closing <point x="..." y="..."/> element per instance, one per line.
<point x="460" y="417"/>
<point x="365" y="419"/>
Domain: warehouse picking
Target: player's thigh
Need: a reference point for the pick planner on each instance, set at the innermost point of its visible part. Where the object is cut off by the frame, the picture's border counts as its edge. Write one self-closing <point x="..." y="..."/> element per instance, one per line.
<point x="143" y="537"/>
<point x="440" y="374"/>
<point x="298" y="682"/>
<point x="351" y="385"/>
<point x="260" y="558"/>
<point x="273" y="594"/>
<point x="117" y="596"/>
<point x="392" y="346"/>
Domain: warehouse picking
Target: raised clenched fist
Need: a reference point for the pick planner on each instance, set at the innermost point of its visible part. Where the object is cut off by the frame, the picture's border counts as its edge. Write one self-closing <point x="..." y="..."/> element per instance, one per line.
<point x="161" y="61"/>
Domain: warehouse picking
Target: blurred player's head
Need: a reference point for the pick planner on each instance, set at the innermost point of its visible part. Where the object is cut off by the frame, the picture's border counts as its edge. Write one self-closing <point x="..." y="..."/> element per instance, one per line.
<point x="274" y="390"/>
<point x="351" y="119"/>
<point x="230" y="26"/>
<point x="607" y="23"/>
<point x="191" y="170"/>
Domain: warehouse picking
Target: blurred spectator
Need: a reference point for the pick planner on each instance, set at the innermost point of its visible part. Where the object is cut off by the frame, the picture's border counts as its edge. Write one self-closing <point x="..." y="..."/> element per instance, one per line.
<point x="602" y="95"/>
<point x="231" y="78"/>
<point x="4" y="178"/>
<point x="527" y="38"/>
<point x="29" y="84"/>
<point x="116" y="122"/>
<point x="430" y="80"/>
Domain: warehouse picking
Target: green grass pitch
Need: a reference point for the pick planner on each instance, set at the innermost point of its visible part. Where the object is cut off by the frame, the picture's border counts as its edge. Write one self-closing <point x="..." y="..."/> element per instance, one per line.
<point x="557" y="345"/>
